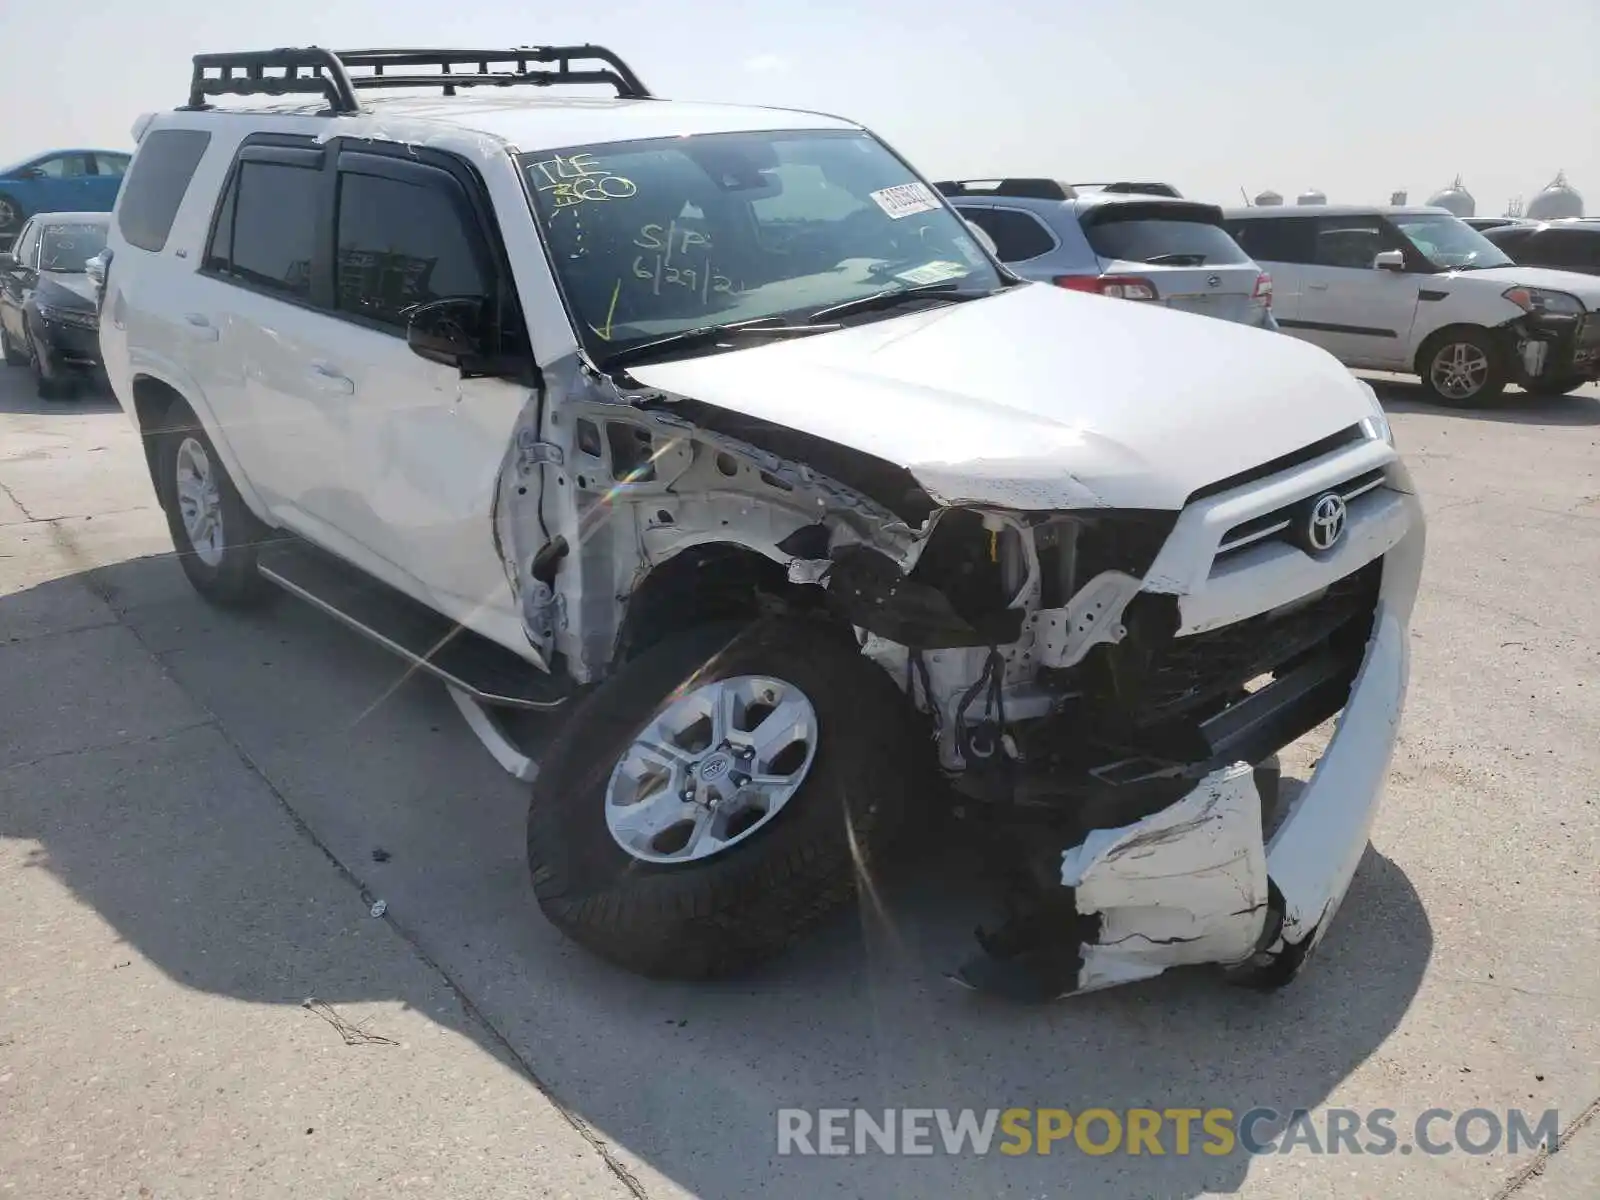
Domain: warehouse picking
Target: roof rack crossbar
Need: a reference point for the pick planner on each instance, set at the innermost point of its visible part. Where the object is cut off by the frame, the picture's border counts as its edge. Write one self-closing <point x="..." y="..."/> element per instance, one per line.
<point x="1011" y="187"/>
<point x="339" y="75"/>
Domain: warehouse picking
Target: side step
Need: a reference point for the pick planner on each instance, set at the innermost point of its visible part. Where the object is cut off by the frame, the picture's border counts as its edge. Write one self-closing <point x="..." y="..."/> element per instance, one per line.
<point x="473" y="667"/>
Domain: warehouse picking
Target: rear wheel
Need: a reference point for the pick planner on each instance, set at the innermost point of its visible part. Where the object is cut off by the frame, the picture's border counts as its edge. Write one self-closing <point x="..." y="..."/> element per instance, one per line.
<point x="719" y="795"/>
<point x="1463" y="367"/>
<point x="215" y="535"/>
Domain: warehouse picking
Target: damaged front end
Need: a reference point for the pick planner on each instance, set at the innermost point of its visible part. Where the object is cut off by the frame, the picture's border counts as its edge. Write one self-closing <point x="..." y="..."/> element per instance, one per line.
<point x="1107" y="688"/>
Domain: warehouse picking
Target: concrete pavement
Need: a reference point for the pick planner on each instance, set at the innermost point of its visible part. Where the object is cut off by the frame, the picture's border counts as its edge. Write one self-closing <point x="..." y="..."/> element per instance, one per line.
<point x="190" y="802"/>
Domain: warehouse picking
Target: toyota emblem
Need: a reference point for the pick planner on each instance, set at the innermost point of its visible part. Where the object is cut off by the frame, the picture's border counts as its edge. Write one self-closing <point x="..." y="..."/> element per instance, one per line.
<point x="1325" y="525"/>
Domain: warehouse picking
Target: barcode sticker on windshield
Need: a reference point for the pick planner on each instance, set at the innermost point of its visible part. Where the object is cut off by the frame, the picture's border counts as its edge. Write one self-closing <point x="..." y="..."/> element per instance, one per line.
<point x="905" y="199"/>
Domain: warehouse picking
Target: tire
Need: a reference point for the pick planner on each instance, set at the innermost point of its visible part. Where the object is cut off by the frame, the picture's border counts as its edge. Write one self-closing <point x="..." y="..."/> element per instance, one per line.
<point x="724" y="913"/>
<point x="1468" y="355"/>
<point x="12" y="215"/>
<point x="48" y="381"/>
<point x="1558" y="386"/>
<point x="222" y="569"/>
<point x="13" y="357"/>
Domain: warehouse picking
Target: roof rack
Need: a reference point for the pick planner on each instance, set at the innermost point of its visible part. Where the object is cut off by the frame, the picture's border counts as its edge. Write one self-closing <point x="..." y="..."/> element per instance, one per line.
<point x="315" y="71"/>
<point x="1020" y="189"/>
<point x="1123" y="187"/>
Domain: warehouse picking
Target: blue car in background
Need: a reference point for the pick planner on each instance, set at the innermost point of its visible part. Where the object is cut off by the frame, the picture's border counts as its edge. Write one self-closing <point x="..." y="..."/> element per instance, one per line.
<point x="59" y="181"/>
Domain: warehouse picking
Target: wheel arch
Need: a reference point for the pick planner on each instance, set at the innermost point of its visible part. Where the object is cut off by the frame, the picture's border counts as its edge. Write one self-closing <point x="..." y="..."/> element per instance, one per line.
<point x="704" y="583"/>
<point x="1498" y="334"/>
<point x="154" y="396"/>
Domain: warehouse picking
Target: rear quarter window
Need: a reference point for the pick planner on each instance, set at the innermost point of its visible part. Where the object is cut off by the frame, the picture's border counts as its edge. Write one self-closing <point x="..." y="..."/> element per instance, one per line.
<point x="1161" y="234"/>
<point x="155" y="185"/>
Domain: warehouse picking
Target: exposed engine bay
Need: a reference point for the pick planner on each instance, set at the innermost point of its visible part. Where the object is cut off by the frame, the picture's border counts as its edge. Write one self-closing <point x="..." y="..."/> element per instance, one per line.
<point x="1039" y="646"/>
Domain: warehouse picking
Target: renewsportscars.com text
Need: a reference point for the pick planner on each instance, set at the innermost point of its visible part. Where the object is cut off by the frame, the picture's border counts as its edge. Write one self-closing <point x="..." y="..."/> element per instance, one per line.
<point x="1161" y="1131"/>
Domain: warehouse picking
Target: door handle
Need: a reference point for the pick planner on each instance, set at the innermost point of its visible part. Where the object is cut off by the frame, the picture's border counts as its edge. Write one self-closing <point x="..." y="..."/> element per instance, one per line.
<point x="1316" y="287"/>
<point x="200" y="327"/>
<point x="329" y="380"/>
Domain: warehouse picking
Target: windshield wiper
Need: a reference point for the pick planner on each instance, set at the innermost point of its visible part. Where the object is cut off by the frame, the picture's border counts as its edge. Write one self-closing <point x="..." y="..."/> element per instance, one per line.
<point x="1176" y="260"/>
<point x="703" y="335"/>
<point x="949" y="289"/>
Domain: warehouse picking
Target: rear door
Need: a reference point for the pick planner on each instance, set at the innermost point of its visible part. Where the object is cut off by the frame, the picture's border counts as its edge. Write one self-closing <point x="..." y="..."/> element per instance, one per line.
<point x="1183" y="250"/>
<point x="1282" y="247"/>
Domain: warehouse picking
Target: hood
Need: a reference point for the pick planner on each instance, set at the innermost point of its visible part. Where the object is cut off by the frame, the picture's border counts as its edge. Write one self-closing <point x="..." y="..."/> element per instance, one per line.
<point x="66" y="289"/>
<point x="1585" y="287"/>
<point x="1041" y="398"/>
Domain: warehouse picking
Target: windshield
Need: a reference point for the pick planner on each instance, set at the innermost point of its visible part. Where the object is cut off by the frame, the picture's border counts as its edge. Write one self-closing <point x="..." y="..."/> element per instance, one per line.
<point x="656" y="237"/>
<point x="1448" y="241"/>
<point x="70" y="247"/>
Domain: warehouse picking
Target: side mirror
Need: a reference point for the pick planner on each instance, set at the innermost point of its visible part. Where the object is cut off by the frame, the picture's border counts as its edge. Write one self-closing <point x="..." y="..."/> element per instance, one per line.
<point x="455" y="333"/>
<point x="447" y="331"/>
<point x="95" y="269"/>
<point x="1389" y="260"/>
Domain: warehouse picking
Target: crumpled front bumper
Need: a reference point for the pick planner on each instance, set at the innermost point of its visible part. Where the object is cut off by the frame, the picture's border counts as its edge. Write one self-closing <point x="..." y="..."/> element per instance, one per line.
<point x="1196" y="883"/>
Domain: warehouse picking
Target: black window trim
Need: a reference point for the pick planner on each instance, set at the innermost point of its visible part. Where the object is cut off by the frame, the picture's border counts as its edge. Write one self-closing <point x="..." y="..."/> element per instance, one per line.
<point x="363" y="159"/>
<point x="284" y="149"/>
<point x="397" y="160"/>
<point x="961" y="206"/>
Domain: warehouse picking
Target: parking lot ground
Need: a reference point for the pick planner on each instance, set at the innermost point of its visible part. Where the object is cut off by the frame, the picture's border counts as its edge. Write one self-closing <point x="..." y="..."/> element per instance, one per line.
<point x="198" y="810"/>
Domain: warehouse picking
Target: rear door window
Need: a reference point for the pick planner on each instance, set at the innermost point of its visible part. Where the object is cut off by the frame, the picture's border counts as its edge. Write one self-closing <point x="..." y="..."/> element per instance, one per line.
<point x="1173" y="235"/>
<point x="1275" y="239"/>
<point x="1018" y="235"/>
<point x="266" y="231"/>
<point x="156" y="182"/>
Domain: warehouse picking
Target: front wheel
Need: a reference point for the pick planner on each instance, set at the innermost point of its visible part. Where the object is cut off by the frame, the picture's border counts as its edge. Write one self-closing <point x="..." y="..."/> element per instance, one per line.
<point x="1556" y="386"/>
<point x="719" y="795"/>
<point x="1463" y="368"/>
<point x="215" y="535"/>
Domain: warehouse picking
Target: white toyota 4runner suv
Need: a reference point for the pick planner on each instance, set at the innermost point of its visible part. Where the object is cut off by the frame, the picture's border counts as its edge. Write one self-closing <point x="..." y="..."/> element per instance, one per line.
<point x="718" y="427"/>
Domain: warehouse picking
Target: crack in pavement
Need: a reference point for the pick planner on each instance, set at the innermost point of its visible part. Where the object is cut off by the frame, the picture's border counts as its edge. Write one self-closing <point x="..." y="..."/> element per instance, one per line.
<point x="614" y="1164"/>
<point x="98" y="747"/>
<point x="1540" y="1160"/>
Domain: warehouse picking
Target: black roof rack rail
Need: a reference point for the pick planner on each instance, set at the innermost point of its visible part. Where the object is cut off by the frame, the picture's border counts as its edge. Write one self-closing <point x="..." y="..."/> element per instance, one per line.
<point x="340" y="74"/>
<point x="1021" y="189"/>
<point x="1124" y="187"/>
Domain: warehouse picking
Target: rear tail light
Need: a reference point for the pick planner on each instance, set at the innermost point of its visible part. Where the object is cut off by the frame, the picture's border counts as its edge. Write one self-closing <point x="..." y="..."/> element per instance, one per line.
<point x="1263" y="291"/>
<point x="1119" y="287"/>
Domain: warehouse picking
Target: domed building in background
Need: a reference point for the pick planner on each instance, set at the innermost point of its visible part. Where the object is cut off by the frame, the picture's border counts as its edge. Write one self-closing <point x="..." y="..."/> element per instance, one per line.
<point x="1560" y="199"/>
<point x="1268" y="199"/>
<point x="1456" y="199"/>
<point x="1311" y="196"/>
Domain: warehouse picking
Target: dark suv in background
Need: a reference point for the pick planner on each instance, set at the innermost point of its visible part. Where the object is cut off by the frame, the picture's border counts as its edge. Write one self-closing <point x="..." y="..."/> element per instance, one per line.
<point x="1569" y="245"/>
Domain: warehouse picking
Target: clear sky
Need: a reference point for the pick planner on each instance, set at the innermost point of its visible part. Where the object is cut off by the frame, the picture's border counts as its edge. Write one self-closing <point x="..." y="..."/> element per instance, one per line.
<point x="1355" y="97"/>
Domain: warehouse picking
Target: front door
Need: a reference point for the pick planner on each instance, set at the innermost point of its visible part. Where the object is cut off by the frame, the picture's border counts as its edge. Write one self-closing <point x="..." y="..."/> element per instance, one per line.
<point x="1360" y="313"/>
<point x="426" y="444"/>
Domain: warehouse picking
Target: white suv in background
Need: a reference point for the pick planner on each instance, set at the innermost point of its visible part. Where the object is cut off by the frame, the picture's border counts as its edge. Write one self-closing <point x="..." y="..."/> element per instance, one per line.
<point x="1418" y="290"/>
<point x="716" y="427"/>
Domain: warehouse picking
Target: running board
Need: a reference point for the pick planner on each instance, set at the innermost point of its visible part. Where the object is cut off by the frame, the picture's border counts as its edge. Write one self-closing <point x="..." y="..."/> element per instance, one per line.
<point x="474" y="668"/>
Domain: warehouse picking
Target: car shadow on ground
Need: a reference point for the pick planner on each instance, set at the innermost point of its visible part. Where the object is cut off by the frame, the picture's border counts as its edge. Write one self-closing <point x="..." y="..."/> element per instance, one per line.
<point x="87" y="397"/>
<point x="1515" y="407"/>
<point x="179" y="847"/>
